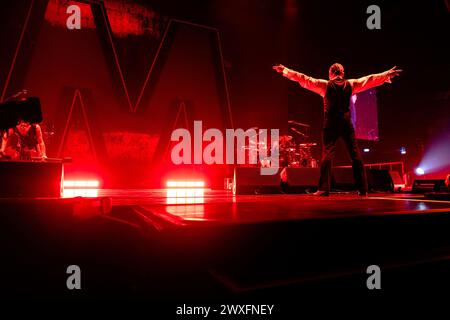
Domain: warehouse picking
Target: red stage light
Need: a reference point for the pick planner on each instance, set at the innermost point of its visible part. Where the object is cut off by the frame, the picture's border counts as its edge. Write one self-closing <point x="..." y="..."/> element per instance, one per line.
<point x="81" y="184"/>
<point x="80" y="188"/>
<point x="87" y="193"/>
<point x="185" y="192"/>
<point x="185" y="184"/>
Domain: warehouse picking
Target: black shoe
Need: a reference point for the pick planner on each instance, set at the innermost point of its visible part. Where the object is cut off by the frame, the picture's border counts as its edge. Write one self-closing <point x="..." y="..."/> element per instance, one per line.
<point x="321" y="193"/>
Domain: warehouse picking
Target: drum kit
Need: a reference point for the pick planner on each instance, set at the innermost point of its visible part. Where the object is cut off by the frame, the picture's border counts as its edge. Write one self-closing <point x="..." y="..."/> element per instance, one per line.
<point x="294" y="152"/>
<point x="296" y="155"/>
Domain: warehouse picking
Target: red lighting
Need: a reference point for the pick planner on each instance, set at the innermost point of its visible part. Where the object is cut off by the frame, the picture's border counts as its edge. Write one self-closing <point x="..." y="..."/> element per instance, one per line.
<point x="193" y="212"/>
<point x="80" y="188"/>
<point x="88" y="193"/>
<point x="185" y="192"/>
<point x="125" y="17"/>
<point x="185" y="196"/>
<point x="185" y="184"/>
<point x="81" y="184"/>
<point x="56" y="13"/>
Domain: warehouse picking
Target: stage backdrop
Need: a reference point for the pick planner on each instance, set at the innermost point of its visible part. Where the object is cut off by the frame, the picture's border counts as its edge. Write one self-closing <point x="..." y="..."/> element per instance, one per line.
<point x="113" y="91"/>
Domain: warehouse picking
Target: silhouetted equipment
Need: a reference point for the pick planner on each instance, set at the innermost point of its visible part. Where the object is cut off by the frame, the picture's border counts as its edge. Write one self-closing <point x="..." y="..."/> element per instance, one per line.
<point x="380" y="180"/>
<point x="397" y="179"/>
<point x="377" y="179"/>
<point x="249" y="180"/>
<point x="12" y="111"/>
<point x="342" y="179"/>
<point x="422" y="186"/>
<point x="300" y="180"/>
<point x="31" y="179"/>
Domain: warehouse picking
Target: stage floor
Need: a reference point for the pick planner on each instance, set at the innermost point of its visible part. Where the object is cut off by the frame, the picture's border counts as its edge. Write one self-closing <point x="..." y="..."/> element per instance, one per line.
<point x="222" y="208"/>
<point x="214" y="244"/>
<point x="253" y="243"/>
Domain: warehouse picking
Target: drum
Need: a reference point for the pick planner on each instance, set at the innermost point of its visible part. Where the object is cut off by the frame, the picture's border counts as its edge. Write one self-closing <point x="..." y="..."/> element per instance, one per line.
<point x="305" y="154"/>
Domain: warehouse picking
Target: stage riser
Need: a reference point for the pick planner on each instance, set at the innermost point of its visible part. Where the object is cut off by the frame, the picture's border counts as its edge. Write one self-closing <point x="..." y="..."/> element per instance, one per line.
<point x="30" y="179"/>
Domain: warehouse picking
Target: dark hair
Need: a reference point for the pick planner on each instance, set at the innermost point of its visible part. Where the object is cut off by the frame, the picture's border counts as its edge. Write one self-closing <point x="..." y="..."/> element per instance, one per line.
<point x="337" y="69"/>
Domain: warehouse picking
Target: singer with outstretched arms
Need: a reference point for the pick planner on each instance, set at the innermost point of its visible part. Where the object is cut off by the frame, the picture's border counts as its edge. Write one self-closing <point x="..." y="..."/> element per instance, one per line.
<point x="336" y="93"/>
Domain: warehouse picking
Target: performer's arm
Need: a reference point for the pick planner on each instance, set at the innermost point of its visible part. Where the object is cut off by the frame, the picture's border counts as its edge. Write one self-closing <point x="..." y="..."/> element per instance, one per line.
<point x="373" y="80"/>
<point x="318" y="86"/>
<point x="41" y="144"/>
<point x="5" y="149"/>
<point x="3" y="144"/>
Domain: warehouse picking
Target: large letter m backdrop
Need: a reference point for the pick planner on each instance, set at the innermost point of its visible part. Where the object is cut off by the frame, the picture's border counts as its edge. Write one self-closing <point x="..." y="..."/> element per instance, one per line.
<point x="113" y="90"/>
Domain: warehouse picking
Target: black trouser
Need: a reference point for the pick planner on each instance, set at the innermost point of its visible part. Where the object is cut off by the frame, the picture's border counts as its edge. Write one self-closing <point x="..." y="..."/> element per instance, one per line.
<point x="335" y="128"/>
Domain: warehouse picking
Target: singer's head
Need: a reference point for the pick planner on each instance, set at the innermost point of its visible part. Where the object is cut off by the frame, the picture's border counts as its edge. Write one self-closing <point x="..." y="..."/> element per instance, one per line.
<point x="336" y="70"/>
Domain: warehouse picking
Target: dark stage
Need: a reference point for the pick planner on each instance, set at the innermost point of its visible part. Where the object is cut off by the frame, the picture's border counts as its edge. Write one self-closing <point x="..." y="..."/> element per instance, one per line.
<point x="146" y="244"/>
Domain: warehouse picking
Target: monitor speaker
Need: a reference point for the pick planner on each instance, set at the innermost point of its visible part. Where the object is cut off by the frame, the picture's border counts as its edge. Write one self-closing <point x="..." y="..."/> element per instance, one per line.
<point x="380" y="180"/>
<point x="377" y="180"/>
<point x="300" y="180"/>
<point x="397" y="179"/>
<point x="423" y="186"/>
<point x="248" y="180"/>
<point x="342" y="179"/>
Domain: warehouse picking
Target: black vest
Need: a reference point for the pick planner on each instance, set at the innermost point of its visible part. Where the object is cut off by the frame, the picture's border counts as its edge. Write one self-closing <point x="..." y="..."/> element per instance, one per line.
<point x="337" y="98"/>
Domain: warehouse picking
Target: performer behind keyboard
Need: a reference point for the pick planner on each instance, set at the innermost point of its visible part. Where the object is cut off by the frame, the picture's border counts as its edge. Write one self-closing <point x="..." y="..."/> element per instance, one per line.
<point x="23" y="142"/>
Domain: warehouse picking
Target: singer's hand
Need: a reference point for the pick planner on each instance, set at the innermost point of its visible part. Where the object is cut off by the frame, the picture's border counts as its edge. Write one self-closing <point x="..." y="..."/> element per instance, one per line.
<point x="391" y="73"/>
<point x="278" y="68"/>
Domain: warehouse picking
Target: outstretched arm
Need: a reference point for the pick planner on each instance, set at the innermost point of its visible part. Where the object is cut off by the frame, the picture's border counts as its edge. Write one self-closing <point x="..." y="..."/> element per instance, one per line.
<point x="373" y="80"/>
<point x="318" y="86"/>
<point x="5" y="149"/>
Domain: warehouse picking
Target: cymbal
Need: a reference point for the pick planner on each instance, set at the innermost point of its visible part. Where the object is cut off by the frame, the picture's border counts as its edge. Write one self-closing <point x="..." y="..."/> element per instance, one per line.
<point x="298" y="123"/>
<point x="310" y="144"/>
